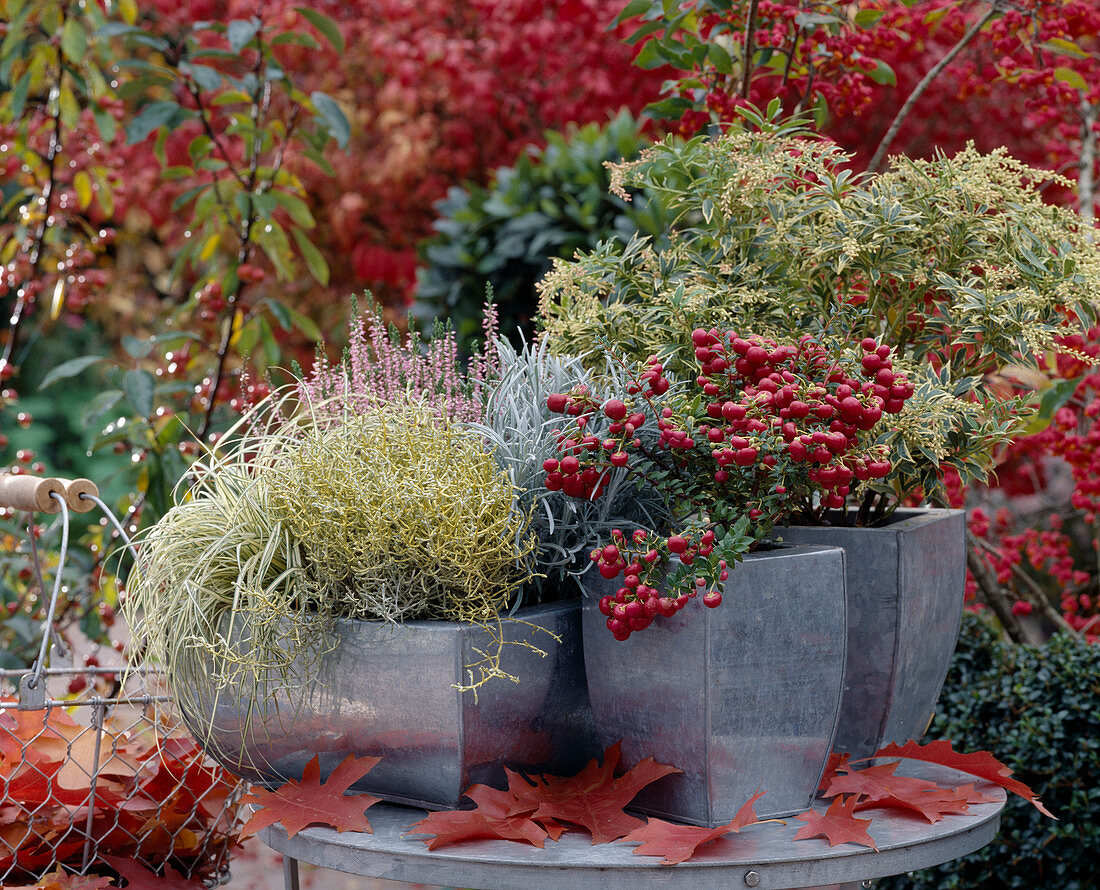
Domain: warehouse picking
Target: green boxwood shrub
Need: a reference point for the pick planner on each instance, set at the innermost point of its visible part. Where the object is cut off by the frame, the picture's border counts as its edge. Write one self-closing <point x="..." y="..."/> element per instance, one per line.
<point x="1037" y="709"/>
<point x="552" y="202"/>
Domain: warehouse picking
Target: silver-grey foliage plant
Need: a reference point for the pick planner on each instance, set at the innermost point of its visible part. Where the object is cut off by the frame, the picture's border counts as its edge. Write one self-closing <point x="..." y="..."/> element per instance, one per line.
<point x="522" y="432"/>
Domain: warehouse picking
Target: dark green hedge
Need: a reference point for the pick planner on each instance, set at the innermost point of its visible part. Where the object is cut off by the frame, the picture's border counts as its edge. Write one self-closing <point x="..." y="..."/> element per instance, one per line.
<point x="552" y="202"/>
<point x="1037" y="709"/>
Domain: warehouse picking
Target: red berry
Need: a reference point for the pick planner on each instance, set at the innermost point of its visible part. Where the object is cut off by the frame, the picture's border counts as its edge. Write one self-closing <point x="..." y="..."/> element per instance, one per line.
<point x="713" y="599"/>
<point x="677" y="544"/>
<point x="556" y="402"/>
<point x="614" y="409"/>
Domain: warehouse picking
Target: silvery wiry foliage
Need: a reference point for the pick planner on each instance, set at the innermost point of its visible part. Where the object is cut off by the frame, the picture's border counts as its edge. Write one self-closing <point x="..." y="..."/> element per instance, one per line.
<point x="520" y="429"/>
<point x="956" y="262"/>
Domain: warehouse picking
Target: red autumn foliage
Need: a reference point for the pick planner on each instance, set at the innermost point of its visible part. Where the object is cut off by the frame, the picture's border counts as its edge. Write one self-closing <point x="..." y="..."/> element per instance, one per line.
<point x="838" y="824"/>
<point x="979" y="763"/>
<point x="593" y="800"/>
<point x="59" y="879"/>
<point x="437" y="93"/>
<point x="532" y="810"/>
<point x="138" y="877"/>
<point x="878" y="786"/>
<point x="309" y="801"/>
<point x="154" y="798"/>
<point x="678" y="843"/>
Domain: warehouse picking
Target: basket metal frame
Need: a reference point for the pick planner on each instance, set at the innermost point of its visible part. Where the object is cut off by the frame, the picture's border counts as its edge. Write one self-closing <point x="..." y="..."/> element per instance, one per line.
<point x="153" y="711"/>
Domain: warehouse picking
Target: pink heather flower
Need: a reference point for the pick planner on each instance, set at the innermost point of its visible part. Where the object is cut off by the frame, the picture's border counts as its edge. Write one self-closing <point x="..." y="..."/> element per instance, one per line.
<point x="380" y="366"/>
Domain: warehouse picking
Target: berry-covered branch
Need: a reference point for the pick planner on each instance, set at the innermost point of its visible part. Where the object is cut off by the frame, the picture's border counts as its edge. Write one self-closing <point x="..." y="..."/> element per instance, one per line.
<point x="762" y="434"/>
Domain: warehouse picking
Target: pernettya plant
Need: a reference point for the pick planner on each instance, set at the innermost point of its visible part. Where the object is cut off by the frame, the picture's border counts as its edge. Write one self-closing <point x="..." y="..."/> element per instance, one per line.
<point x="390" y="515"/>
<point x="759" y="433"/>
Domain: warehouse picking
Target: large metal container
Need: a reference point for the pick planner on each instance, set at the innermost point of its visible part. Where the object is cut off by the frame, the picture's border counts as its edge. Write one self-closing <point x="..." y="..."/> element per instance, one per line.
<point x="389" y="691"/>
<point x="741" y="698"/>
<point x="905" y="598"/>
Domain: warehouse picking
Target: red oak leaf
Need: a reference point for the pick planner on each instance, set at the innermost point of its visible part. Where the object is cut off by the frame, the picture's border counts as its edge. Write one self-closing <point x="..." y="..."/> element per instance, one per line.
<point x="877" y="786"/>
<point x="980" y="763"/>
<point x="298" y="804"/>
<point x="533" y="809"/>
<point x="972" y="795"/>
<point x="502" y="805"/>
<point x="678" y="843"/>
<point x="492" y="819"/>
<point x="138" y="877"/>
<point x="837" y="761"/>
<point x="838" y="824"/>
<point x="594" y="799"/>
<point x="461" y="825"/>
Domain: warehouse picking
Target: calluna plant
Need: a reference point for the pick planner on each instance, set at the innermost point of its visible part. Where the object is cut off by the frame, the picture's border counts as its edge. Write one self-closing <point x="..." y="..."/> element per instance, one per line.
<point x="381" y="367"/>
<point x="760" y="433"/>
<point x="955" y="263"/>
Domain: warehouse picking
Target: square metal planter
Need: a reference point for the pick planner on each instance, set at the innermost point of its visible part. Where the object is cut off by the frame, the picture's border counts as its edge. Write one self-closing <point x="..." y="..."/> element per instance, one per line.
<point x="905" y="597"/>
<point x="389" y="691"/>
<point x="743" y="697"/>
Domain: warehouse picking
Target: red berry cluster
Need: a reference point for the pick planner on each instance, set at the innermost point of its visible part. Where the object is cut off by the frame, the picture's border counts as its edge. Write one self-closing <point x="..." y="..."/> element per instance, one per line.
<point x="763" y="429"/>
<point x="636" y="603"/>
<point x="758" y="386"/>
<point x="590" y="479"/>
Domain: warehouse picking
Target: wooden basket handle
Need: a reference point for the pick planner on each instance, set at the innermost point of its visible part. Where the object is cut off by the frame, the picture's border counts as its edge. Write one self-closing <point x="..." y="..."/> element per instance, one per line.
<point x="35" y="493"/>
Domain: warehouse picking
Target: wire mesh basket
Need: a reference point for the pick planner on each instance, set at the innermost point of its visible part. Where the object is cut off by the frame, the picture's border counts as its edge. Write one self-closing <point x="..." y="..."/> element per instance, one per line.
<point x="93" y="762"/>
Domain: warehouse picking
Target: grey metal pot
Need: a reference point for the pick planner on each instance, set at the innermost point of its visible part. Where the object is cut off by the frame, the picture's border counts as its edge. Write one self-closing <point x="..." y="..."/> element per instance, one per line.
<point x="905" y="599"/>
<point x="389" y="691"/>
<point x="740" y="698"/>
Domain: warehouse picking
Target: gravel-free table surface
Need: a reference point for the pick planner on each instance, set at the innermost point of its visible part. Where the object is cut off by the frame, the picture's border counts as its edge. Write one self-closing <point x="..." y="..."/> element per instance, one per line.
<point x="764" y="856"/>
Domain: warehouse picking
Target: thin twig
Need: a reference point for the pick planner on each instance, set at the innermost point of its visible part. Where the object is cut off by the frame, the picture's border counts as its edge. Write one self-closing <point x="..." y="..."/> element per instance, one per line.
<point x="1037" y="594"/>
<point x="790" y="58"/>
<point x="45" y="199"/>
<point x="261" y="102"/>
<point x="989" y="591"/>
<point x="926" y="82"/>
<point x="1086" y="179"/>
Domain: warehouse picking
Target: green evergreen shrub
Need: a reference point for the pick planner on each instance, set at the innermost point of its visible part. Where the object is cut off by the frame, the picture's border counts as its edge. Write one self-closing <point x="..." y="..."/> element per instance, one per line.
<point x="1037" y="709"/>
<point x="551" y="203"/>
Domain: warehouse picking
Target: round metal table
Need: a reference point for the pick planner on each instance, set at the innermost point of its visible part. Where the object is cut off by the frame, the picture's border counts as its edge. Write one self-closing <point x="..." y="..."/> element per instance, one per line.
<point x="763" y="856"/>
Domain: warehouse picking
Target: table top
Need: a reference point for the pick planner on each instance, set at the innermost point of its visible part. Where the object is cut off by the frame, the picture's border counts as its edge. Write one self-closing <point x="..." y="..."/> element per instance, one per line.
<point x="762" y="856"/>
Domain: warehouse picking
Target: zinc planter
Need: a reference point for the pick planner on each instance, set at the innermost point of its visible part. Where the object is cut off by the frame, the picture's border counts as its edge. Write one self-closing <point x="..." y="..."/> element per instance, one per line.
<point x="905" y="598"/>
<point x="390" y="691"/>
<point x="741" y="698"/>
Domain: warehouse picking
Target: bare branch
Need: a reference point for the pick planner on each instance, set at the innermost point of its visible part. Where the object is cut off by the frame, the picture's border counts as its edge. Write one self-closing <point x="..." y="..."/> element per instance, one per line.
<point x="926" y="82"/>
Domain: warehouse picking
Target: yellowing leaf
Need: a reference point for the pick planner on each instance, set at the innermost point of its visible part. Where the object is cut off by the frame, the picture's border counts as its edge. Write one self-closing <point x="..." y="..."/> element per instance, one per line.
<point x="209" y="247"/>
<point x="82" y="183"/>
<point x="1068" y="75"/>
